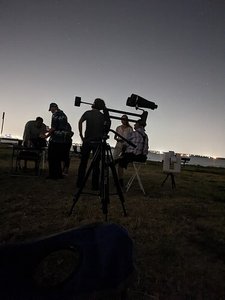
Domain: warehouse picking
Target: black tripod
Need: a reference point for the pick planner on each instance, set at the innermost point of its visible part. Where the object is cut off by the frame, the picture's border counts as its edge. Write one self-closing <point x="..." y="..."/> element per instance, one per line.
<point x="104" y="150"/>
<point x="172" y="180"/>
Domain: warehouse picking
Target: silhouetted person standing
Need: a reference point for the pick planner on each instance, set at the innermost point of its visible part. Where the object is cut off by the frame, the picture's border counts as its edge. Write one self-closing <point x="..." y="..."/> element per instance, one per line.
<point x="95" y="121"/>
<point x="57" y="143"/>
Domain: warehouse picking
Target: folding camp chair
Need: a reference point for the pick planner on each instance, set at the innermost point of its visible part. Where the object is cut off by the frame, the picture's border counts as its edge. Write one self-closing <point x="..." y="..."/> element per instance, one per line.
<point x="136" y="169"/>
<point x="27" y="161"/>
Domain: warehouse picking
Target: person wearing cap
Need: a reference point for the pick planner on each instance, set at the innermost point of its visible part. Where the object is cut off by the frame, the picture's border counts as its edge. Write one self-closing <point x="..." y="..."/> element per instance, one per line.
<point x="139" y="153"/>
<point x="57" y="148"/>
<point x="123" y="130"/>
<point x="91" y="139"/>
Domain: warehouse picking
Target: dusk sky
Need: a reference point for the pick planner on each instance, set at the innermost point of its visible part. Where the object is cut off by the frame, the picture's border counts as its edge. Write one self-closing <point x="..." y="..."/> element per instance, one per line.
<point x="171" y="52"/>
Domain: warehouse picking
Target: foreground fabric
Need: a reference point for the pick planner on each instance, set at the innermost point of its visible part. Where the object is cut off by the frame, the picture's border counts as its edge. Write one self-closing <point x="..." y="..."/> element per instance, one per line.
<point x="67" y="265"/>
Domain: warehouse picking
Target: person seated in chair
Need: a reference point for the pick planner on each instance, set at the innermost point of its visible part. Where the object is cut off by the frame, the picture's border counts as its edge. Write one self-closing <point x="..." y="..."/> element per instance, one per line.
<point x="34" y="134"/>
<point x="139" y="153"/>
<point x="124" y="130"/>
<point x="33" y="137"/>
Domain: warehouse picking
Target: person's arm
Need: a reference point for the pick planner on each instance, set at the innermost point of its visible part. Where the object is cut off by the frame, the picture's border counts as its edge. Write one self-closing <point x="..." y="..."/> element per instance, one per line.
<point x="146" y="145"/>
<point x="54" y="126"/>
<point x="116" y="136"/>
<point x="80" y="128"/>
<point x="69" y="129"/>
<point x="71" y="133"/>
<point x="130" y="145"/>
<point x="26" y="135"/>
<point x="50" y="132"/>
<point x="43" y="131"/>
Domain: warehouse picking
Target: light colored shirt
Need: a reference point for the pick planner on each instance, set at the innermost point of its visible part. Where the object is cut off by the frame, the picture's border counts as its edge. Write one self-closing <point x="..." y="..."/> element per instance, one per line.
<point x="31" y="131"/>
<point x="140" y="139"/>
<point x="124" y="131"/>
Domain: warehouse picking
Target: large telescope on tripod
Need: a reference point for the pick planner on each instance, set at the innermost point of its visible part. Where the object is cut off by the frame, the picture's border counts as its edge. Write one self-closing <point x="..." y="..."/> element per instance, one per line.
<point x="132" y="101"/>
<point x="103" y="151"/>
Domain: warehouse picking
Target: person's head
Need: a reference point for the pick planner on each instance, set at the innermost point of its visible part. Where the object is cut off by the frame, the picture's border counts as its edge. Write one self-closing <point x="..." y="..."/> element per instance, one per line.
<point x="39" y="121"/>
<point x="139" y="124"/>
<point x="124" y="120"/>
<point x="53" y="107"/>
<point x="98" y="104"/>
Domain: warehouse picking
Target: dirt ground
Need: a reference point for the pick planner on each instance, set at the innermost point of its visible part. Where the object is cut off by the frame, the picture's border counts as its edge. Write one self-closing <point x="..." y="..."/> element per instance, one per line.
<point x="178" y="234"/>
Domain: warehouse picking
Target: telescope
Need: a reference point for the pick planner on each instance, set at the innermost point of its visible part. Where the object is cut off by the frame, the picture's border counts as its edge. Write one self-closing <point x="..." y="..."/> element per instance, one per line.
<point x="137" y="101"/>
<point x="103" y="150"/>
<point x="132" y="101"/>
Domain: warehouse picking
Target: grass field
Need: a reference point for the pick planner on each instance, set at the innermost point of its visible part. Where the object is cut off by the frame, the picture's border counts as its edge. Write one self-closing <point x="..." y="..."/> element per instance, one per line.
<point x="179" y="235"/>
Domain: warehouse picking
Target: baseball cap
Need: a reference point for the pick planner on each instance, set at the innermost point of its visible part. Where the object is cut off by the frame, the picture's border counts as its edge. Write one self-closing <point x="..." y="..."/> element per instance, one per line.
<point x="141" y="122"/>
<point x="52" y="105"/>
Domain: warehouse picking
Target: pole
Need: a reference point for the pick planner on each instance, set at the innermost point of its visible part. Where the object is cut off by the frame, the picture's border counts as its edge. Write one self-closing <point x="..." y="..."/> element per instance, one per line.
<point x="3" y="118"/>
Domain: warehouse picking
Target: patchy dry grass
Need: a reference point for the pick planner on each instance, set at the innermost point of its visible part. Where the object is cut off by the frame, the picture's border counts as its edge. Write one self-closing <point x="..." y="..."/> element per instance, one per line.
<point x="179" y="235"/>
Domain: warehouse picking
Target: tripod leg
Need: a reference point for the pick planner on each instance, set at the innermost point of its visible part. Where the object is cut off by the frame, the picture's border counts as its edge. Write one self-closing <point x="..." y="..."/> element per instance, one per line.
<point x="130" y="181"/>
<point x="165" y="179"/>
<point x="104" y="186"/>
<point x="106" y="161"/>
<point x="78" y="193"/>
<point x="173" y="181"/>
<point x="118" y="187"/>
<point x="138" y="177"/>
